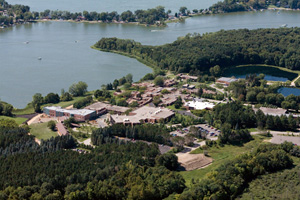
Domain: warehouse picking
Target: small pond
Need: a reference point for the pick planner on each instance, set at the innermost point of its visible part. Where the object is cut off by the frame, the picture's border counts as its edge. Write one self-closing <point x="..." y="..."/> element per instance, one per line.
<point x="271" y="73"/>
<point x="286" y="91"/>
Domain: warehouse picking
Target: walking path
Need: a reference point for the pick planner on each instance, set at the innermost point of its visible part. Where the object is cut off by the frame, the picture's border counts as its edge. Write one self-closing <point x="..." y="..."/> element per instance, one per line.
<point x="293" y="82"/>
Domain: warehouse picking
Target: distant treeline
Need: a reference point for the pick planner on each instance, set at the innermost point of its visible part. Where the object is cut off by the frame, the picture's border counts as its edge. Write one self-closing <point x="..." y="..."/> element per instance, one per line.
<point x="197" y="53"/>
<point x="149" y="16"/>
<point x="244" y="5"/>
<point x="22" y="13"/>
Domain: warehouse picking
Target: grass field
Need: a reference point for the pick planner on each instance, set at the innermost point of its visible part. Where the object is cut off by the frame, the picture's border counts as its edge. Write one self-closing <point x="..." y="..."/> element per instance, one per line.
<point x="19" y="120"/>
<point x="24" y="111"/>
<point x="29" y="109"/>
<point x="41" y="131"/>
<point x="220" y="154"/>
<point x="65" y="104"/>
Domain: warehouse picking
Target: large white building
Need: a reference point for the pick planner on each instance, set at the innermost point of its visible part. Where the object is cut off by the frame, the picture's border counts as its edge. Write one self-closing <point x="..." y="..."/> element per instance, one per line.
<point x="198" y="104"/>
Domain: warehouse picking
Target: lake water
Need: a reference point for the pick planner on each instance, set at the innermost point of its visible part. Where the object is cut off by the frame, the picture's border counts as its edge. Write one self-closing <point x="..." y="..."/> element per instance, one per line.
<point x="271" y="73"/>
<point x="286" y="91"/>
<point x="112" y="5"/>
<point x="65" y="62"/>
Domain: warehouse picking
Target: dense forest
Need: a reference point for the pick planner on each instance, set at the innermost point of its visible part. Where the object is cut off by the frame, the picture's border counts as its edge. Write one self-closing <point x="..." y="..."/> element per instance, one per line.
<point x="197" y="53"/>
<point x="146" y="132"/>
<point x="51" y="170"/>
<point x="268" y="186"/>
<point x="236" y="116"/>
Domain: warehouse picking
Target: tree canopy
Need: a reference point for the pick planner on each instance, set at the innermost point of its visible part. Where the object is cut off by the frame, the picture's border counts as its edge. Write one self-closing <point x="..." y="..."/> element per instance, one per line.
<point x="197" y="53"/>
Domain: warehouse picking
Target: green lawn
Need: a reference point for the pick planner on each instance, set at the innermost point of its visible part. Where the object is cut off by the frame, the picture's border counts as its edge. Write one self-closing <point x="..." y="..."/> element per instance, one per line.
<point x="19" y="120"/>
<point x="41" y="131"/>
<point x="29" y="109"/>
<point x="23" y="111"/>
<point x="252" y="129"/>
<point x="172" y="107"/>
<point x="220" y="154"/>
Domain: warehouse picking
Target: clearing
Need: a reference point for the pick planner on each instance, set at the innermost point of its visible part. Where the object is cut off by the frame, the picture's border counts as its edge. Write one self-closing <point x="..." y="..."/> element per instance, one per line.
<point x="219" y="156"/>
<point x="41" y="131"/>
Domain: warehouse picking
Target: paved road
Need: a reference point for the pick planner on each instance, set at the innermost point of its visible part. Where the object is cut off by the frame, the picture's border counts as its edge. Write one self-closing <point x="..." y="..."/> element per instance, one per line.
<point x="281" y="136"/>
<point x="218" y="89"/>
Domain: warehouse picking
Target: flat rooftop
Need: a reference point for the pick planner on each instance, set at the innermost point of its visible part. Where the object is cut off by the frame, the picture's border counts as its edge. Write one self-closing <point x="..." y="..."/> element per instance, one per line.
<point x="82" y="112"/>
<point x="147" y="112"/>
<point x="101" y="105"/>
<point x="226" y="79"/>
<point x="199" y="105"/>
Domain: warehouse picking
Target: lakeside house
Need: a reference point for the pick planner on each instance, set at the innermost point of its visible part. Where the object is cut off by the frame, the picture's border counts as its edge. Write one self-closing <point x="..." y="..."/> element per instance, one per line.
<point x="226" y="81"/>
<point x="78" y="114"/>
<point x="187" y="77"/>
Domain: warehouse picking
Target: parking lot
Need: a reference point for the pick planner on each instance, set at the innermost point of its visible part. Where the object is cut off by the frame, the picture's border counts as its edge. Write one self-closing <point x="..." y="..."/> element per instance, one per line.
<point x="211" y="132"/>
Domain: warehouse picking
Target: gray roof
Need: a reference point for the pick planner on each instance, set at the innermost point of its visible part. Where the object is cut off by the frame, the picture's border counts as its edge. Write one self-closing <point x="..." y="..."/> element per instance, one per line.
<point x="100" y="105"/>
<point x="82" y="112"/>
<point x="226" y="79"/>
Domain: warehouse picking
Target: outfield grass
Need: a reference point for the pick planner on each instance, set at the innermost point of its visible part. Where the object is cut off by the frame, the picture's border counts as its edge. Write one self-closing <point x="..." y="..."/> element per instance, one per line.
<point x="19" y="120"/>
<point x="219" y="155"/>
<point x="41" y="131"/>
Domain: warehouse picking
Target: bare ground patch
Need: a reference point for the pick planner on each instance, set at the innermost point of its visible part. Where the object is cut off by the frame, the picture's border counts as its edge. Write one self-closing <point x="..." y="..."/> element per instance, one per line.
<point x="190" y="162"/>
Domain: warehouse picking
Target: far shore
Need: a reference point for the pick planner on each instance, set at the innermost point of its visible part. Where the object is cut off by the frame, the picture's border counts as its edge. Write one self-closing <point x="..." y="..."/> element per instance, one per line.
<point x="101" y="22"/>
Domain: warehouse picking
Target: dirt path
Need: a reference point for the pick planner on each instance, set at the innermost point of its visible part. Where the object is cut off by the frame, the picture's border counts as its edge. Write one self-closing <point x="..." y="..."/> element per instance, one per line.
<point x="34" y="119"/>
<point x="69" y="107"/>
<point x="293" y="82"/>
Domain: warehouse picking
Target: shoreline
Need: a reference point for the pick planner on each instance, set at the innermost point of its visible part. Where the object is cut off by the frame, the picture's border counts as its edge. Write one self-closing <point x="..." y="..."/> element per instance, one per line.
<point x="101" y="22"/>
<point x="161" y="24"/>
<point x="148" y="64"/>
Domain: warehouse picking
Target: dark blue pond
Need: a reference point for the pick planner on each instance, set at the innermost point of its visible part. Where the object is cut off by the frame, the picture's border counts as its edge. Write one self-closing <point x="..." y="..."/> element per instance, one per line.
<point x="287" y="91"/>
<point x="271" y="73"/>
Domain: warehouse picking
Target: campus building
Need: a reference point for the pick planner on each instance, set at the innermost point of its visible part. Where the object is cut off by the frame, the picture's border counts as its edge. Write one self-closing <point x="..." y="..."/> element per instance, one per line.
<point x="145" y="114"/>
<point x="101" y="108"/>
<point x="79" y="115"/>
<point x="198" y="104"/>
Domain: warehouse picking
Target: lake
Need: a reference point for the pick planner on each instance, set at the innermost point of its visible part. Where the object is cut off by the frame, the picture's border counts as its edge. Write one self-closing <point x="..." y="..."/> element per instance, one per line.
<point x="271" y="73"/>
<point x="65" y="62"/>
<point x="112" y="5"/>
<point x="286" y="91"/>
